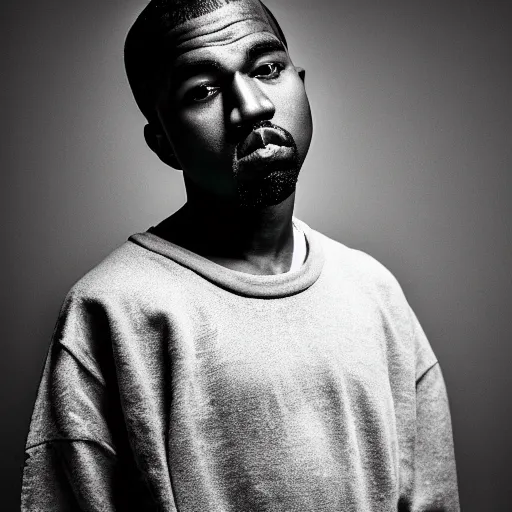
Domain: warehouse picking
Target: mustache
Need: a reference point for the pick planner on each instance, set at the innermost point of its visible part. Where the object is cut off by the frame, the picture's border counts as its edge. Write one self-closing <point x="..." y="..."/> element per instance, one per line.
<point x="259" y="135"/>
<point x="266" y="124"/>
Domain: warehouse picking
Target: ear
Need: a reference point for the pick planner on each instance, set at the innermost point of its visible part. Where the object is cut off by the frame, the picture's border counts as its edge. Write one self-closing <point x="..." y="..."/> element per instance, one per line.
<point x="158" y="142"/>
<point x="301" y="72"/>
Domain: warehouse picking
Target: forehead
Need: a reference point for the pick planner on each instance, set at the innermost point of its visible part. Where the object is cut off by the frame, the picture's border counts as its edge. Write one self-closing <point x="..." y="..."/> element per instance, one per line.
<point x="223" y="27"/>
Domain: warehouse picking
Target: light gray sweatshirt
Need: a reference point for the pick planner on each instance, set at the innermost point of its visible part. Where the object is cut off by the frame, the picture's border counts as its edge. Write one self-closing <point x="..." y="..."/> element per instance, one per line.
<point x="175" y="384"/>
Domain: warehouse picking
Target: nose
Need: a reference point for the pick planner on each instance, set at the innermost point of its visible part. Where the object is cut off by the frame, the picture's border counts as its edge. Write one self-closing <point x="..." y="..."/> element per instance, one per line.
<point x="250" y="103"/>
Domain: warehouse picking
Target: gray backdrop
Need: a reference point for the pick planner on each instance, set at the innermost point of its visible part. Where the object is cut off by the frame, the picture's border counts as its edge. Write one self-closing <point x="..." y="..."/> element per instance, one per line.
<point x="411" y="162"/>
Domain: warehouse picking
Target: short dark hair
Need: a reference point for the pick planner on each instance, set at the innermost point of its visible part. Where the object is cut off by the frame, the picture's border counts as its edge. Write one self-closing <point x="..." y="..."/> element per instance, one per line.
<point x="145" y="43"/>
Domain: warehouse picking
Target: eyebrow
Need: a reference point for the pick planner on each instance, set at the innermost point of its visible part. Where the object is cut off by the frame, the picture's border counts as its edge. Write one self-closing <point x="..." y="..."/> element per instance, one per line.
<point x="259" y="49"/>
<point x="185" y="71"/>
<point x="188" y="70"/>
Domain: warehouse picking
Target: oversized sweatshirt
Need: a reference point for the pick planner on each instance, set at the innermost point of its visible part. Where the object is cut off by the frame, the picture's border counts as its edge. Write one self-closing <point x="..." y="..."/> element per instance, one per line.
<point x="175" y="384"/>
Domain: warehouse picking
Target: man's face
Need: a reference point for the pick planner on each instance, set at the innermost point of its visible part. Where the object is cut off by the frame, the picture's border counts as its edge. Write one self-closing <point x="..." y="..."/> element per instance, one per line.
<point x="234" y="108"/>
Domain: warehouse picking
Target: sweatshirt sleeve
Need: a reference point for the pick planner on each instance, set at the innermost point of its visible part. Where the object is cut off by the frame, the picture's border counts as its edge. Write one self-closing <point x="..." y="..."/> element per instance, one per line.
<point x="435" y="477"/>
<point x="77" y="456"/>
<point x="69" y="457"/>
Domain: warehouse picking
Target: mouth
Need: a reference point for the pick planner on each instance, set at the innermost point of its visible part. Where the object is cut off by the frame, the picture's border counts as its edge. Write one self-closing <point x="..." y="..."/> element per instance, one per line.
<point x="262" y="158"/>
<point x="263" y="143"/>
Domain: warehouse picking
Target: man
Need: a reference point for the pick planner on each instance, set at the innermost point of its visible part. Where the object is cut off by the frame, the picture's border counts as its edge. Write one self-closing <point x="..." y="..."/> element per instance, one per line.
<point x="231" y="358"/>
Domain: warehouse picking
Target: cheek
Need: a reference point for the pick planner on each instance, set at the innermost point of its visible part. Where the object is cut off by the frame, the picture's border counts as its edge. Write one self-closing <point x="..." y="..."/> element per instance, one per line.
<point x="296" y="117"/>
<point x="305" y="124"/>
<point x="197" y="135"/>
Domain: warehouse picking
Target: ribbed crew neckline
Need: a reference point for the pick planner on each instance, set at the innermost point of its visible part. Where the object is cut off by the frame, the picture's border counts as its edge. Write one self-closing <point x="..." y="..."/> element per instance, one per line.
<point x="240" y="283"/>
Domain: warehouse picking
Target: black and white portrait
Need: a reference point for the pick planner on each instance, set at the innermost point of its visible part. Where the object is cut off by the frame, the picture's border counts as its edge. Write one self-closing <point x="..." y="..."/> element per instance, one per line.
<point x="256" y="256"/>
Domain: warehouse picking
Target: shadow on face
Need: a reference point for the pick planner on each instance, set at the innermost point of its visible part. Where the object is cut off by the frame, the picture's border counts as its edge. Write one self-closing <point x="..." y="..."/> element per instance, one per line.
<point x="226" y="72"/>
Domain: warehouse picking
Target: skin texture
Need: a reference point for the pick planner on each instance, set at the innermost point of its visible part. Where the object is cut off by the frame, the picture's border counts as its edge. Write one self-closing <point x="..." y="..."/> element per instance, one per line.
<point x="230" y="73"/>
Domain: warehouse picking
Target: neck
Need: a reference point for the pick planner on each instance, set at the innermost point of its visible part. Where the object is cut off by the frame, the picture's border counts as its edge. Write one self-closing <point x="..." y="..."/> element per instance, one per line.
<point x="251" y="240"/>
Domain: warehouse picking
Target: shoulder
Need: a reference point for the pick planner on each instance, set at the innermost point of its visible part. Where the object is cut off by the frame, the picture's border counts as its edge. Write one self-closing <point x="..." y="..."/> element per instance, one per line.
<point x="131" y="274"/>
<point x="366" y="277"/>
<point x="357" y="266"/>
<point x="118" y="300"/>
<point x="128" y="266"/>
<point x="129" y="284"/>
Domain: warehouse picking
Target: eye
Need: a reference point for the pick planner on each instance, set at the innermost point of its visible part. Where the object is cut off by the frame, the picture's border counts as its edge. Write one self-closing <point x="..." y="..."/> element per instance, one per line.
<point x="269" y="71"/>
<point x="201" y="93"/>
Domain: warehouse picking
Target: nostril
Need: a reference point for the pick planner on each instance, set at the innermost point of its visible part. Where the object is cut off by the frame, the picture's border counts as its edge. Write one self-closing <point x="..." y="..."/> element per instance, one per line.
<point x="268" y="105"/>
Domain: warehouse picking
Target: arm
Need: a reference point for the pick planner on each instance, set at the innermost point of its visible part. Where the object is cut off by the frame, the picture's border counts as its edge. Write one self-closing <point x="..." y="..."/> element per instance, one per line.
<point x="70" y="459"/>
<point x="435" y="477"/>
<point x="77" y="453"/>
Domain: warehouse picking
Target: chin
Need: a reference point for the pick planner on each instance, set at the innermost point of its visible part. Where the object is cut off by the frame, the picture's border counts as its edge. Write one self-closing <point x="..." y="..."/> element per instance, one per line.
<point x="271" y="190"/>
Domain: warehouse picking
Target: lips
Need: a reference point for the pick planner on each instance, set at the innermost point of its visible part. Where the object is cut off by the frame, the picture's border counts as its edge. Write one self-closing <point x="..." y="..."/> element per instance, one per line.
<point x="261" y="138"/>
